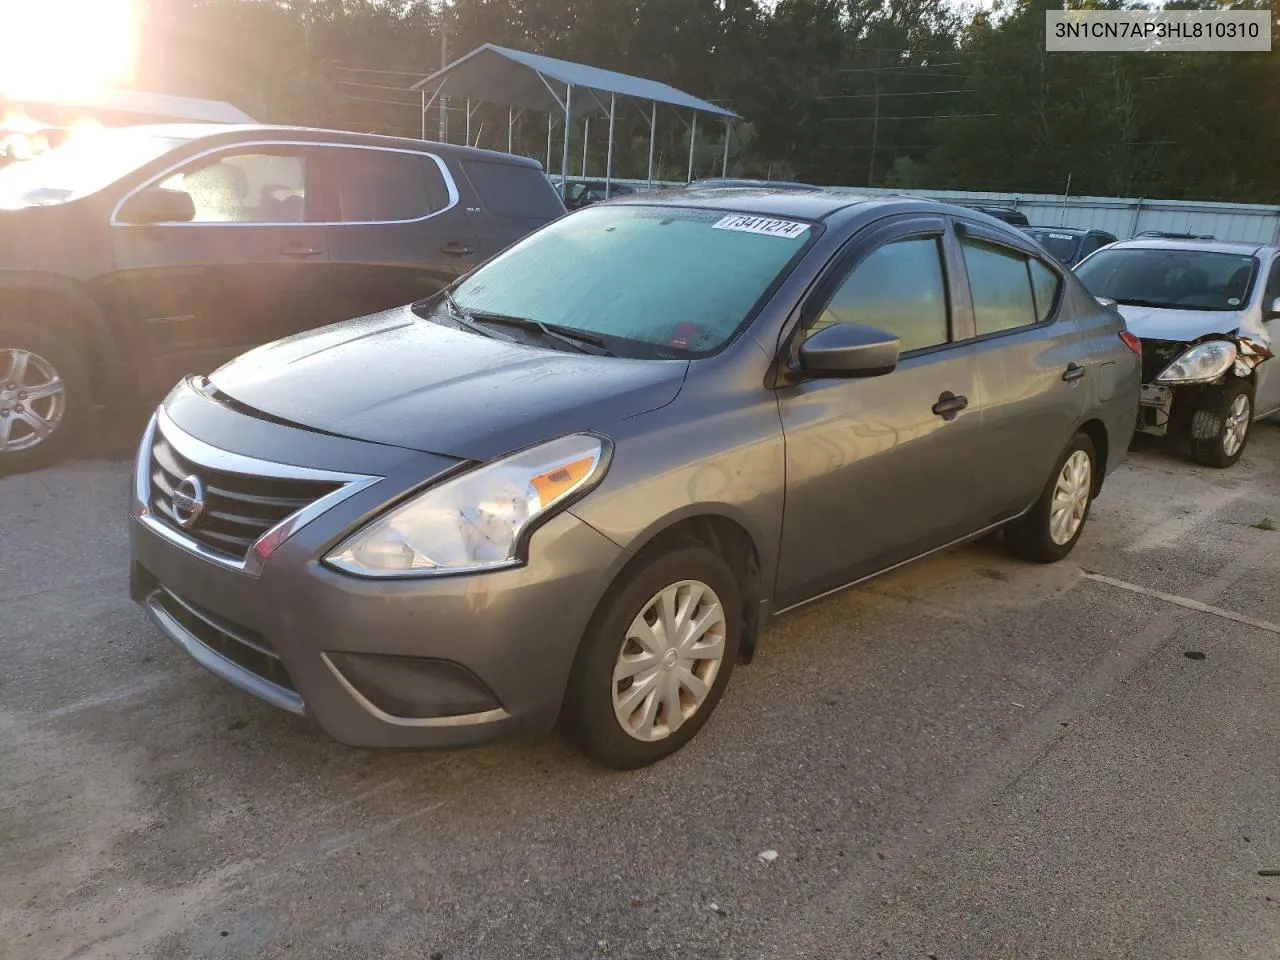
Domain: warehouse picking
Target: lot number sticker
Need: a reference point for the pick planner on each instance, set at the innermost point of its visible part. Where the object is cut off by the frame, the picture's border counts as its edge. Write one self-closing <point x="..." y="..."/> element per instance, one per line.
<point x="789" y="229"/>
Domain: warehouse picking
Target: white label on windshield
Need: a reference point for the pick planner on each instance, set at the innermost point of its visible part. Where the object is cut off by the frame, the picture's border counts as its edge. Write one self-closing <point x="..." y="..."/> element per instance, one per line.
<point x="769" y="227"/>
<point x="1062" y="236"/>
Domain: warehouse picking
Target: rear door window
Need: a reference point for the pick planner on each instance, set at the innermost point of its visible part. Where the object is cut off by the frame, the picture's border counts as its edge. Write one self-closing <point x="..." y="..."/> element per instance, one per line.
<point x="385" y="186"/>
<point x="1001" y="287"/>
<point x="511" y="190"/>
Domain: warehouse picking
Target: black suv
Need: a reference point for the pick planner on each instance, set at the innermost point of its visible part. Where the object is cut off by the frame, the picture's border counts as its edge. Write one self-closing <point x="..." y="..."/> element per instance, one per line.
<point x="1069" y="245"/>
<point x="132" y="257"/>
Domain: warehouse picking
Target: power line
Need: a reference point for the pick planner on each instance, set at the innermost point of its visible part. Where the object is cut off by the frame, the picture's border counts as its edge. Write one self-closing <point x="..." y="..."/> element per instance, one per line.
<point x="868" y="96"/>
<point x="927" y="116"/>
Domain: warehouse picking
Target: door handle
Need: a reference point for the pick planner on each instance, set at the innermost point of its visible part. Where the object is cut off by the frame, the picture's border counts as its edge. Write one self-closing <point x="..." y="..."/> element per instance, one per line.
<point x="949" y="405"/>
<point x="1073" y="372"/>
<point x="299" y="250"/>
<point x="456" y="249"/>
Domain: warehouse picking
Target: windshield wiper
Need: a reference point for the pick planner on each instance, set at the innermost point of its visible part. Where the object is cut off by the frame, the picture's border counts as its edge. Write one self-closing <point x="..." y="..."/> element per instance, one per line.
<point x="463" y="319"/>
<point x="1147" y="303"/>
<point x="579" y="340"/>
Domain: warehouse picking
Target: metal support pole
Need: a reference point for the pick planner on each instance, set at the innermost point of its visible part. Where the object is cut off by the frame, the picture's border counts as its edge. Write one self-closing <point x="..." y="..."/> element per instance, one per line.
<point x="511" y="119"/>
<point x="444" y="62"/>
<point x="550" y="120"/>
<point x="564" y="159"/>
<point x="693" y="139"/>
<point x="653" y="135"/>
<point x="468" y="140"/>
<point x="724" y="164"/>
<point x="586" y="138"/>
<point x="423" y="91"/>
<point x="608" y="157"/>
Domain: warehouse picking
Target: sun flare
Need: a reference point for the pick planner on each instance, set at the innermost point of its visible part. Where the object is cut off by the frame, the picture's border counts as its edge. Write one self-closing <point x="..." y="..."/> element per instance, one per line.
<point x="57" y="48"/>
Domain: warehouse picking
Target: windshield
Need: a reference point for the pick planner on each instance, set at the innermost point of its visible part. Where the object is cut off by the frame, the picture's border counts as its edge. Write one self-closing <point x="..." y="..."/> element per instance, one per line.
<point x="1061" y="245"/>
<point x="84" y="164"/>
<point x="1177" y="279"/>
<point x="650" y="280"/>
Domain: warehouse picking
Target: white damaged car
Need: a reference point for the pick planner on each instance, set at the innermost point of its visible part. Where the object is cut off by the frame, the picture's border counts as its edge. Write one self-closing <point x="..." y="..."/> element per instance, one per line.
<point x="1208" y="316"/>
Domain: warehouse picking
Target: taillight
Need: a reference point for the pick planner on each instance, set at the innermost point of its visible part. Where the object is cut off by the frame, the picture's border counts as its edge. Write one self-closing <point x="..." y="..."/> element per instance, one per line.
<point x="1132" y="342"/>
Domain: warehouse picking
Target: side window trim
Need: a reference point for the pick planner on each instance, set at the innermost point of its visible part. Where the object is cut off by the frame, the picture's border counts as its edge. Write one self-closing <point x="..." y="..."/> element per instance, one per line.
<point x="854" y="251"/>
<point x="245" y="146"/>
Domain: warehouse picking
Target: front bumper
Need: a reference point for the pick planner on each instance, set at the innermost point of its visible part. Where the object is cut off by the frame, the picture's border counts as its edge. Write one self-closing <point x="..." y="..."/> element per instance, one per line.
<point x="497" y="647"/>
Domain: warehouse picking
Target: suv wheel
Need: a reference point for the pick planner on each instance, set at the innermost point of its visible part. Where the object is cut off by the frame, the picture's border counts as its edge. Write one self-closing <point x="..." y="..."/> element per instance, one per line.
<point x="1050" y="531"/>
<point x="41" y="396"/>
<point x="655" y="660"/>
<point x="1221" y="424"/>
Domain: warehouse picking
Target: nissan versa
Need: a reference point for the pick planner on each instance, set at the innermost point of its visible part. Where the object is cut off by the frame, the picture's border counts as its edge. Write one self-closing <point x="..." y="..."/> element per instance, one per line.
<point x="569" y="488"/>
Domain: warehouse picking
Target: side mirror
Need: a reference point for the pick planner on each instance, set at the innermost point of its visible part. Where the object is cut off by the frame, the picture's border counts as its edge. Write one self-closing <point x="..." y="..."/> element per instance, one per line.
<point x="850" y="350"/>
<point x="158" y="205"/>
<point x="1271" y="311"/>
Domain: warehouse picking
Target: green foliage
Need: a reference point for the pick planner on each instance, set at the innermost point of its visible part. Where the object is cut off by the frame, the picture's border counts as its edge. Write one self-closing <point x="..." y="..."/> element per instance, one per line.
<point x="908" y="93"/>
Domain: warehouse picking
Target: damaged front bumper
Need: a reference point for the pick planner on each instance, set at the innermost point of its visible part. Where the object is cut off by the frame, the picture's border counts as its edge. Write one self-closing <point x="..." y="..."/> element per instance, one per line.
<point x="1159" y="404"/>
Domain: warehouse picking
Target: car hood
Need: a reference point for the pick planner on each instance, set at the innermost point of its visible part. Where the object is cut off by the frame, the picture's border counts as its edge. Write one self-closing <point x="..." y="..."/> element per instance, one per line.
<point x="395" y="378"/>
<point x="1183" y="326"/>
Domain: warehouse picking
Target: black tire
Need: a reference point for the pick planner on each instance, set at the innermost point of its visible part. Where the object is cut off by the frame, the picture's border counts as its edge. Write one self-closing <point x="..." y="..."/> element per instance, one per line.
<point x="66" y="362"/>
<point x="588" y="719"/>
<point x="1209" y="422"/>
<point x="1031" y="537"/>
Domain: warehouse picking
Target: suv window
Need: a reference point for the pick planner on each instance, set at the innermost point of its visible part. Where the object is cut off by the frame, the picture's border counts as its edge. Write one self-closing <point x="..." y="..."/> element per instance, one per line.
<point x="899" y="289"/>
<point x="1000" y="281"/>
<point x="509" y="190"/>
<point x="385" y="186"/>
<point x="251" y="187"/>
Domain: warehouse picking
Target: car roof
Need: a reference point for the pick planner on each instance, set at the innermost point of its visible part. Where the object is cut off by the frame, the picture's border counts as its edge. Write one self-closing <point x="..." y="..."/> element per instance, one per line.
<point x="232" y="132"/>
<point x="763" y="201"/>
<point x="1073" y="231"/>
<point x="1201" y="246"/>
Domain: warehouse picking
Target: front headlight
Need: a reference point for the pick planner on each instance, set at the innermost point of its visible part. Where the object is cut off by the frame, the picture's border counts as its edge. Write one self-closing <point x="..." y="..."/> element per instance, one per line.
<point x="476" y="521"/>
<point x="1200" y="364"/>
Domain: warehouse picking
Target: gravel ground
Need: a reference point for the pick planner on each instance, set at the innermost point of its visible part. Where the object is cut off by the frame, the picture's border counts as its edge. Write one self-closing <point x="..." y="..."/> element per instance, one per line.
<point x="968" y="758"/>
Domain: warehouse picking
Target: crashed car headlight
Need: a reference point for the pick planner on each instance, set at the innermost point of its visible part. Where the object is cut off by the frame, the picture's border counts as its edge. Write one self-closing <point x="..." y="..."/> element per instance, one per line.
<point x="1200" y="364"/>
<point x="476" y="521"/>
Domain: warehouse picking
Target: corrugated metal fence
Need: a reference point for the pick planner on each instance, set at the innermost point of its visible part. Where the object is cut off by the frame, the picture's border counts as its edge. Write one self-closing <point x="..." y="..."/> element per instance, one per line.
<point x="1122" y="217"/>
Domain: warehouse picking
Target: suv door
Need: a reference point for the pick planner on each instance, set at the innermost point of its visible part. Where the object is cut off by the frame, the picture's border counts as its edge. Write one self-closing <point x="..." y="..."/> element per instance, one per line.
<point x="1035" y="372"/>
<point x="514" y="200"/>
<point x="876" y="475"/>
<point x="396" y="233"/>
<point x="250" y="267"/>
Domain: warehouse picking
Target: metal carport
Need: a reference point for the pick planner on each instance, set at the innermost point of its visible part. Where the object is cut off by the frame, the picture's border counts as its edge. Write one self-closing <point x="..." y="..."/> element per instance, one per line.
<point x="529" y="81"/>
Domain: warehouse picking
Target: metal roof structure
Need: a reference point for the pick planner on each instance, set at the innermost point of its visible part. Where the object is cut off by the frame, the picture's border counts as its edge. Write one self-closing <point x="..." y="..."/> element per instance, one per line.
<point x="130" y="104"/>
<point x="529" y="81"/>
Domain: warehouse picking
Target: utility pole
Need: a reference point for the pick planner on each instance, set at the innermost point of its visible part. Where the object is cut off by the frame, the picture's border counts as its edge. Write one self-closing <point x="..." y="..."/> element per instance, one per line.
<point x="875" y="120"/>
<point x="444" y="60"/>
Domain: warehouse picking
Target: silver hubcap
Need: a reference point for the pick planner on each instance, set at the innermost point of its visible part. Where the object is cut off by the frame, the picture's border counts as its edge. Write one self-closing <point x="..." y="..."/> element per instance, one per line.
<point x="1071" y="498"/>
<point x="32" y="400"/>
<point x="669" y="660"/>
<point x="1237" y="425"/>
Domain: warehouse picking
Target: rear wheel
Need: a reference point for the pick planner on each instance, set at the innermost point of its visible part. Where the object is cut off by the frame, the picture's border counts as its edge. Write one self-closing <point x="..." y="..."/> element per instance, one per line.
<point x="1221" y="424"/>
<point x="655" y="660"/>
<point x="43" y="399"/>
<point x="1050" y="531"/>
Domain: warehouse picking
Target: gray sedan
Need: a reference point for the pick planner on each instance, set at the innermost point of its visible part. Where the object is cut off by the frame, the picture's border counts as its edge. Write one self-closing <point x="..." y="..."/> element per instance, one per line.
<point x="576" y="486"/>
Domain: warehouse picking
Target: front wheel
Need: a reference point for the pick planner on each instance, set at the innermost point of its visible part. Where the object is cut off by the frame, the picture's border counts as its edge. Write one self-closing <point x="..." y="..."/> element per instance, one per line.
<point x="42" y="396"/>
<point x="1221" y="424"/>
<point x="655" y="660"/>
<point x="1050" y="530"/>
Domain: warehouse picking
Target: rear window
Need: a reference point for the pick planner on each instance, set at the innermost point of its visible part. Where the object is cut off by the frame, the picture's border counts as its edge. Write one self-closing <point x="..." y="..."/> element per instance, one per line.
<point x="508" y="190"/>
<point x="1061" y="245"/>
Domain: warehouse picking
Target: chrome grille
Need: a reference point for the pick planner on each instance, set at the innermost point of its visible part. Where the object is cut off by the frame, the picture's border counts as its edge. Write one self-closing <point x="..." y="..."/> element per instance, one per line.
<point x="238" y="508"/>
